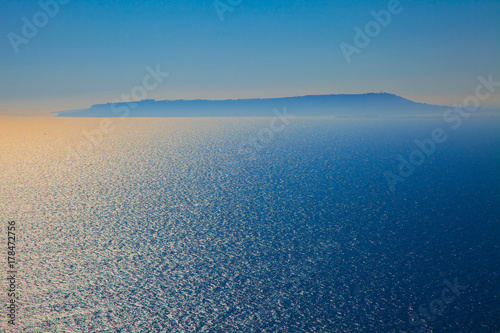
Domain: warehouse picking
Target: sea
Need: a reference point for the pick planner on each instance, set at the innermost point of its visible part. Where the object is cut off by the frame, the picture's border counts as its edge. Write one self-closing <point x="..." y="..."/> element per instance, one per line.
<point x="250" y="225"/>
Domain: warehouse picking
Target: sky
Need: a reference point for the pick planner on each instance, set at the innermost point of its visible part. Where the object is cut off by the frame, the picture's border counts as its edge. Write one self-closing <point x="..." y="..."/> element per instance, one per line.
<point x="90" y="52"/>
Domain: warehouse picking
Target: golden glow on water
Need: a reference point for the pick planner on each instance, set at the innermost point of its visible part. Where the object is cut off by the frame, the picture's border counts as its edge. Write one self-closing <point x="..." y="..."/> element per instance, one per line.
<point x="82" y="202"/>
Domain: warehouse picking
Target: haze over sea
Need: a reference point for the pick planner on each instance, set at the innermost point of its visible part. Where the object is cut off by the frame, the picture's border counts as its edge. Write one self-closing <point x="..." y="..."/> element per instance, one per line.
<point x="152" y="232"/>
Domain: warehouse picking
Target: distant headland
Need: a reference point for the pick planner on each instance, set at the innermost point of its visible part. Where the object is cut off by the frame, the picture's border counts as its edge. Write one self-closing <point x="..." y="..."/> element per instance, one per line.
<point x="344" y="105"/>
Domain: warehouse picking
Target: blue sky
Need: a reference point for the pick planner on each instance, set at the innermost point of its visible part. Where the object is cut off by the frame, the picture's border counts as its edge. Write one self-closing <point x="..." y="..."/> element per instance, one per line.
<point x="93" y="51"/>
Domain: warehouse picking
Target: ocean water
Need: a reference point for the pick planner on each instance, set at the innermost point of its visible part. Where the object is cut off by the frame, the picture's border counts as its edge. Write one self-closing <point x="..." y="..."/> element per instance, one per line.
<point x="181" y="225"/>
